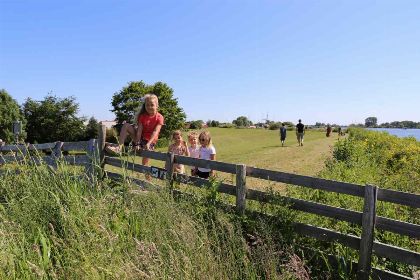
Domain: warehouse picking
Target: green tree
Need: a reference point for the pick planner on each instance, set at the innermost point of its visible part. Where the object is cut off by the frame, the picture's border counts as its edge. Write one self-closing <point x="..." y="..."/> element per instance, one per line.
<point x="9" y="112"/>
<point x="92" y="129"/>
<point x="127" y="101"/>
<point x="53" y="119"/>
<point x="242" y="121"/>
<point x="371" y="121"/>
<point x="196" y="124"/>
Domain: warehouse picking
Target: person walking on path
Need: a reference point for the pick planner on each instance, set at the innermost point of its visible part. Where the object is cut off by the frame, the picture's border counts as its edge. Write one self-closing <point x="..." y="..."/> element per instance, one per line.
<point x="282" y="134"/>
<point x="300" y="131"/>
<point x="329" y="129"/>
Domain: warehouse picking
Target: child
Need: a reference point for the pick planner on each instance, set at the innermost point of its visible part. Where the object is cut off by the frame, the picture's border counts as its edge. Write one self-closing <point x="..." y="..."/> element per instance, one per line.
<point x="283" y="132"/>
<point x="178" y="147"/>
<point x="146" y="133"/>
<point x="207" y="151"/>
<point x="193" y="149"/>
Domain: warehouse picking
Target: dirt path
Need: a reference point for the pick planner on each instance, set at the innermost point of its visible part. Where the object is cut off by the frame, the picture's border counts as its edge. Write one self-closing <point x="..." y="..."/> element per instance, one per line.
<point x="306" y="160"/>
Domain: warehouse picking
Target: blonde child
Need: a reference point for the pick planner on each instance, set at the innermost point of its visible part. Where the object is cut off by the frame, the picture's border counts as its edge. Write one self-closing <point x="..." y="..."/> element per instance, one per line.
<point x="207" y="151"/>
<point x="178" y="147"/>
<point x="193" y="149"/>
<point x="146" y="133"/>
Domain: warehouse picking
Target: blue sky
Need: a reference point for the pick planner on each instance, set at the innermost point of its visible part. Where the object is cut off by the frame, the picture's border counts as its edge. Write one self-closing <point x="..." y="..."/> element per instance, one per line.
<point x="321" y="61"/>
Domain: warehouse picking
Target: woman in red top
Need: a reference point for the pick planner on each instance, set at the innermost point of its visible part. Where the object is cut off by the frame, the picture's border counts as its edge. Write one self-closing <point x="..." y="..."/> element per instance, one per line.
<point x="146" y="133"/>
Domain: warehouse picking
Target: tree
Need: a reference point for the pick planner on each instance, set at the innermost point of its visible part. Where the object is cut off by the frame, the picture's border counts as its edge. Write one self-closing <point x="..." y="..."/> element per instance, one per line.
<point x="53" y="119"/>
<point x="127" y="101"/>
<point x="242" y="121"/>
<point x="198" y="124"/>
<point x="92" y="129"/>
<point x="9" y="112"/>
<point x="371" y="121"/>
<point x="212" y="123"/>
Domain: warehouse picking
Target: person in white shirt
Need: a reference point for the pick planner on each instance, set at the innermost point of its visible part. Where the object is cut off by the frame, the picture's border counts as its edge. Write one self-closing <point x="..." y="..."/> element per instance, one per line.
<point x="207" y="151"/>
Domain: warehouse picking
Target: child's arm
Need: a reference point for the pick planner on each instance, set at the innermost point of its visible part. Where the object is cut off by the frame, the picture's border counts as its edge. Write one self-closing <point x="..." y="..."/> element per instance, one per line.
<point x="154" y="135"/>
<point x="212" y="157"/>
<point x="187" y="151"/>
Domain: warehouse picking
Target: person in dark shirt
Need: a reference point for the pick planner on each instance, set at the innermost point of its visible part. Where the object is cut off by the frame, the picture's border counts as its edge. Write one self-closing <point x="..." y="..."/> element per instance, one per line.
<point x="282" y="134"/>
<point x="300" y="131"/>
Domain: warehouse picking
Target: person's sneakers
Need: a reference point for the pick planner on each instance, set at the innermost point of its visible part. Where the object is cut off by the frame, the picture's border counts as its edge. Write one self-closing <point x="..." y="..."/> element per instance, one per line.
<point x="113" y="150"/>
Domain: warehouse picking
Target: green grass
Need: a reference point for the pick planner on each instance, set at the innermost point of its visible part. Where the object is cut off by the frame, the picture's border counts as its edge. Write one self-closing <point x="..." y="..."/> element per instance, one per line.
<point x="57" y="225"/>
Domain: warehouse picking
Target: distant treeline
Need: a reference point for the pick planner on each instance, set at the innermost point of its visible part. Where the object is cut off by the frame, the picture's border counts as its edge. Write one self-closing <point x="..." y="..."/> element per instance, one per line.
<point x="400" y="124"/>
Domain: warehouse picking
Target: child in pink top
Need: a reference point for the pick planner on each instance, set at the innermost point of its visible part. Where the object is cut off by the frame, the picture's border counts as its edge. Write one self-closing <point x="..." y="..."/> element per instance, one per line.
<point x="178" y="147"/>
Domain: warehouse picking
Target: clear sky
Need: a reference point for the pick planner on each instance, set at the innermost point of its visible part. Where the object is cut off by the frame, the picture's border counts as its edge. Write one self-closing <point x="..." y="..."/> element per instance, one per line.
<point x="321" y="61"/>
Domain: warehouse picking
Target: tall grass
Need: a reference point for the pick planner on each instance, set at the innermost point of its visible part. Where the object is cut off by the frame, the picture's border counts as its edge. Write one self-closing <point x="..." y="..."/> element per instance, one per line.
<point x="55" y="224"/>
<point x="367" y="157"/>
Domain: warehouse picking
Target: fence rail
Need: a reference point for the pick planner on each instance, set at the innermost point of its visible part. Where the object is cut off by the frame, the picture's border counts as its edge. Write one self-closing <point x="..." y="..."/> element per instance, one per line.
<point x="365" y="244"/>
<point x="367" y="219"/>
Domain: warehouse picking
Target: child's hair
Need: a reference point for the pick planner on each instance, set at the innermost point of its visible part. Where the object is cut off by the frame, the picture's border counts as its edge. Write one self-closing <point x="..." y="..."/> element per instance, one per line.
<point x="206" y="135"/>
<point x="175" y="133"/>
<point x="148" y="97"/>
<point x="192" y="134"/>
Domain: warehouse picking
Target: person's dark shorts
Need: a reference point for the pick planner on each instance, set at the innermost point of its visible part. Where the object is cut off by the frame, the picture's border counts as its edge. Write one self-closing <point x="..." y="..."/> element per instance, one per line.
<point x="143" y="143"/>
<point x="204" y="175"/>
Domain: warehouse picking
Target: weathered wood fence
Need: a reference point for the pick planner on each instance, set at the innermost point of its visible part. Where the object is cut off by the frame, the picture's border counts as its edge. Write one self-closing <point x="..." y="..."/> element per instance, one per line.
<point x="368" y="219"/>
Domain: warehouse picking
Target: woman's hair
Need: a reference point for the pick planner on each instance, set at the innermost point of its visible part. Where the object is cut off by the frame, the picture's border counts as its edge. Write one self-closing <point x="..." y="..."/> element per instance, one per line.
<point x="175" y="133"/>
<point x="192" y="134"/>
<point x="206" y="135"/>
<point x="147" y="98"/>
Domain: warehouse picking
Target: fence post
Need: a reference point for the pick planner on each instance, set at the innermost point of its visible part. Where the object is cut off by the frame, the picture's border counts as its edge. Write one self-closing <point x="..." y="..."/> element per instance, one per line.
<point x="57" y="149"/>
<point x="368" y="226"/>
<point x="240" y="188"/>
<point x="93" y="159"/>
<point x="101" y="145"/>
<point x="169" y="166"/>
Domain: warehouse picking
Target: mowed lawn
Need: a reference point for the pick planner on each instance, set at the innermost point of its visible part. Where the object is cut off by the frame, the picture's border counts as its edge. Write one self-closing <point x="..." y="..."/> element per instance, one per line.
<point x="262" y="148"/>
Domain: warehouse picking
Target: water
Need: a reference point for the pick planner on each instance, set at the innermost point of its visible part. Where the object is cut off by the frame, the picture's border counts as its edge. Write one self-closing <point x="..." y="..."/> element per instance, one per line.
<point x="400" y="132"/>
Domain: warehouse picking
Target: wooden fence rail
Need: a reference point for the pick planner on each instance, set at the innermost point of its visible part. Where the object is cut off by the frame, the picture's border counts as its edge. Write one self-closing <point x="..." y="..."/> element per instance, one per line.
<point x="368" y="219"/>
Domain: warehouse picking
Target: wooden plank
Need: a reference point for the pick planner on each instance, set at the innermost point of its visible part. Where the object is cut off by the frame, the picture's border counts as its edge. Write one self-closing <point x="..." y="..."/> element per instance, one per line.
<point x="76" y="160"/>
<point x="152" y="155"/>
<point x="309" y="207"/>
<point x="169" y="166"/>
<point x="396" y="253"/>
<point x="368" y="226"/>
<point x="209" y="164"/>
<point x="128" y="165"/>
<point x="200" y="182"/>
<point x="327" y="235"/>
<point x="240" y="189"/>
<point x="9" y="159"/>
<point x="31" y="147"/>
<point x="306" y="181"/>
<point x="91" y="165"/>
<point x="57" y="149"/>
<point x="404" y="228"/>
<point x="101" y="145"/>
<point x="378" y="274"/>
<point x="75" y="146"/>
<point x="403" y="198"/>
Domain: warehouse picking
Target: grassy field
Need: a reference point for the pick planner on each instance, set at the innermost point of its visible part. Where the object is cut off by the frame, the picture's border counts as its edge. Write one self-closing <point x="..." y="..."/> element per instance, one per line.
<point x="262" y="148"/>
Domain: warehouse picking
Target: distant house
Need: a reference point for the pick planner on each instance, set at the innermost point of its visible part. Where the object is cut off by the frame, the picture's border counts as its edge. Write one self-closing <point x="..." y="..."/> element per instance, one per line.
<point x="108" y="124"/>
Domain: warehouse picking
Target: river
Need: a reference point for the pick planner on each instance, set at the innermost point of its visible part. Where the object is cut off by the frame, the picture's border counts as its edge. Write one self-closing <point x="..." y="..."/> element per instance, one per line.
<point x="401" y="132"/>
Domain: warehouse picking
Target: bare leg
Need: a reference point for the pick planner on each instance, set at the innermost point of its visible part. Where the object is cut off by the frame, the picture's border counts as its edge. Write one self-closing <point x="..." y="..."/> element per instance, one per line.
<point x="127" y="130"/>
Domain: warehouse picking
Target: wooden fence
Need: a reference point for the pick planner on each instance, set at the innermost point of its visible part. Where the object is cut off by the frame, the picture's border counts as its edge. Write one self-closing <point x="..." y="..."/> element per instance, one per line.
<point x="368" y="219"/>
